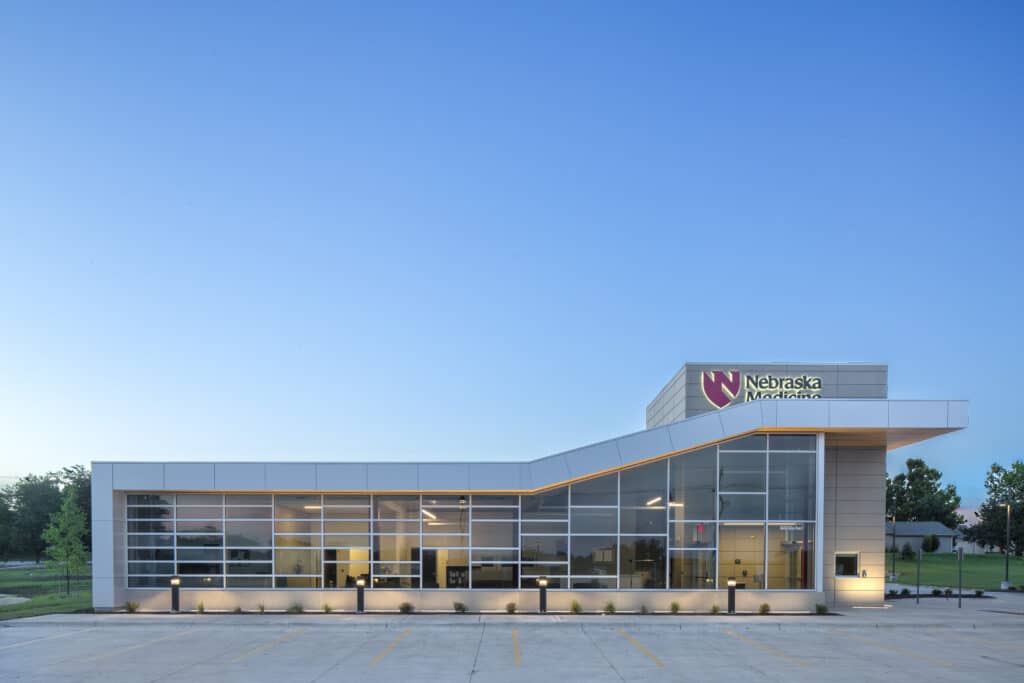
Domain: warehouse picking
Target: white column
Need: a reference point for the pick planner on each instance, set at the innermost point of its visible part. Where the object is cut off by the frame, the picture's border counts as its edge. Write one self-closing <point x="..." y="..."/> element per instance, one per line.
<point x="819" y="514"/>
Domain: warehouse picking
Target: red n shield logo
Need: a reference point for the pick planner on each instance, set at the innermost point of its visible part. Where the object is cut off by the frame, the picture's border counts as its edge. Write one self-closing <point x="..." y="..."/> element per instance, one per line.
<point x="720" y="387"/>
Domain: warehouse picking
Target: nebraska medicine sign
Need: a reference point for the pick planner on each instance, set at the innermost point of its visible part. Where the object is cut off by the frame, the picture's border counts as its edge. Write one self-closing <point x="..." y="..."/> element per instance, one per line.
<point x="725" y="387"/>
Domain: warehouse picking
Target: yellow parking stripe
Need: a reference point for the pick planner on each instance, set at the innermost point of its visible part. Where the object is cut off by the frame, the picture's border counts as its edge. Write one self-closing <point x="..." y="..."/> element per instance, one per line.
<point x="778" y="653"/>
<point x="515" y="647"/>
<point x="390" y="647"/>
<point x="36" y="640"/>
<point x="263" y="648"/>
<point x="137" y="646"/>
<point x="641" y="648"/>
<point x="899" y="651"/>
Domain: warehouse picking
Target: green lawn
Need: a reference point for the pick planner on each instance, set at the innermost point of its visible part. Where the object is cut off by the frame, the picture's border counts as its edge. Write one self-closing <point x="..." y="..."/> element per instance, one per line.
<point x="40" y="585"/>
<point x="939" y="569"/>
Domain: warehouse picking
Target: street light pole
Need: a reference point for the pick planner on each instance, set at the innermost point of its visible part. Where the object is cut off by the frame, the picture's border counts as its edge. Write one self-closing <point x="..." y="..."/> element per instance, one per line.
<point x="892" y="575"/>
<point x="1006" y="572"/>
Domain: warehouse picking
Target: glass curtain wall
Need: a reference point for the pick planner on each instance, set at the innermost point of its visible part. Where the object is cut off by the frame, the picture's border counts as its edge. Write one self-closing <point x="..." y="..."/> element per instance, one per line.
<point x="744" y="509"/>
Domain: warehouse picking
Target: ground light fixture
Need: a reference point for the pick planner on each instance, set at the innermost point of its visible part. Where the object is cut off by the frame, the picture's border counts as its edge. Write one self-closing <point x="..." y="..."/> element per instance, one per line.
<point x="542" y="584"/>
<point x="360" y="595"/>
<point x="732" y="595"/>
<point x="175" y="587"/>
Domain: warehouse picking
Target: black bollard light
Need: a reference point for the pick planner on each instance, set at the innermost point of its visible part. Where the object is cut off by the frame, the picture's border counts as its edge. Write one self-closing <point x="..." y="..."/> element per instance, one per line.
<point x="360" y="599"/>
<point x="175" y="601"/>
<point x="542" y="583"/>
<point x="732" y="595"/>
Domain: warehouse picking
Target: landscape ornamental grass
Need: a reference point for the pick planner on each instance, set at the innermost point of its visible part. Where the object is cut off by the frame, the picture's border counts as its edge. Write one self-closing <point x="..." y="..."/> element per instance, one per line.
<point x="201" y="608"/>
<point x="406" y="608"/>
<point x="765" y="608"/>
<point x="674" y="608"/>
<point x="609" y="607"/>
<point x="715" y="609"/>
<point x="575" y="607"/>
<point x="261" y="608"/>
<point x="822" y="608"/>
<point x="296" y="608"/>
<point x="131" y="607"/>
<point x="459" y="607"/>
<point x="510" y="608"/>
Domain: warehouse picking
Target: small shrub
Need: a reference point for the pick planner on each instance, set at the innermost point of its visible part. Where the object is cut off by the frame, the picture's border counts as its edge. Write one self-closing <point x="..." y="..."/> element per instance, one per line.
<point x="131" y="607"/>
<point x="1012" y="588"/>
<point x="936" y="592"/>
<point x="715" y="609"/>
<point x="459" y="607"/>
<point x="237" y="610"/>
<point x="644" y="610"/>
<point x="906" y="552"/>
<point x="949" y="592"/>
<point x="765" y="608"/>
<point x="201" y="608"/>
<point x="406" y="608"/>
<point x="261" y="608"/>
<point x="575" y="607"/>
<point x="905" y="592"/>
<point x="821" y="608"/>
<point x="674" y="608"/>
<point x="891" y="594"/>
<point x="295" y="609"/>
<point x="978" y="593"/>
<point x="609" y="607"/>
<point x="327" y="608"/>
<point x="930" y="543"/>
<point x="510" y="608"/>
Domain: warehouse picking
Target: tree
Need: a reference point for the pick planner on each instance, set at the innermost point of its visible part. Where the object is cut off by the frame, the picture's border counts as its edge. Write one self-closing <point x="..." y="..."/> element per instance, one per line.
<point x="6" y="524"/>
<point x="35" y="499"/>
<point x="918" y="496"/>
<point x="65" y="537"/>
<point x="1002" y="485"/>
<point x="78" y="481"/>
<point x="930" y="543"/>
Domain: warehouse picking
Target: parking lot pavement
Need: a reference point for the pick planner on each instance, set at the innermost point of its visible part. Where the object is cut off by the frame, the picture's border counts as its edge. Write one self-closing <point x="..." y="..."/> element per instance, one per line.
<point x="933" y="640"/>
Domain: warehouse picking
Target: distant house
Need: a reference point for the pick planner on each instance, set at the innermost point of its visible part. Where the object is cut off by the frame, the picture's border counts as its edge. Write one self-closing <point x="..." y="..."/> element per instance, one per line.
<point x="914" y="532"/>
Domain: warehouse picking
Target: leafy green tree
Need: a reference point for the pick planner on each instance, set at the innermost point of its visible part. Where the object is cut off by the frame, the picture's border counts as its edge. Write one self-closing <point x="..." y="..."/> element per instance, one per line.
<point x="918" y="496"/>
<point x="1002" y="485"/>
<point x="78" y="481"/>
<point x="35" y="498"/>
<point x="6" y="525"/>
<point x="65" y="538"/>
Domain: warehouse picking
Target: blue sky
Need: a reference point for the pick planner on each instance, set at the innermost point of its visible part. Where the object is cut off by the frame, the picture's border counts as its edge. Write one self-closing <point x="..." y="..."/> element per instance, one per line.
<point x="442" y="231"/>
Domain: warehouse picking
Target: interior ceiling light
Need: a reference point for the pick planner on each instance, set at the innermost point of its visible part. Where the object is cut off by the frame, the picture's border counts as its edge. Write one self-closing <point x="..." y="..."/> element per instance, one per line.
<point x="428" y="513"/>
<point x="654" y="500"/>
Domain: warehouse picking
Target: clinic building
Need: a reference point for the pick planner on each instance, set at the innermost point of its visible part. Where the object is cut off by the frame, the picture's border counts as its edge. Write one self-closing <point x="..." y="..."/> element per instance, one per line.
<point x="769" y="475"/>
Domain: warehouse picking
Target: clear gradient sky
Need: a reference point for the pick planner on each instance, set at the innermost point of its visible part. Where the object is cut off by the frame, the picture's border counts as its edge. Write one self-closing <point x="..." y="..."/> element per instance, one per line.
<point x="440" y="231"/>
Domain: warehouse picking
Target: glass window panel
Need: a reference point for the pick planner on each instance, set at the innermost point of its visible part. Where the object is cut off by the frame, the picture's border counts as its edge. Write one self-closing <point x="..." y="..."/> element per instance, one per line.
<point x="429" y="500"/>
<point x="249" y="568"/>
<point x="248" y="499"/>
<point x="297" y="526"/>
<point x="144" y="540"/>
<point x="150" y="499"/>
<point x="149" y="581"/>
<point x="200" y="513"/>
<point x="200" y="554"/>
<point x="196" y="527"/>
<point x="510" y="514"/>
<point x="693" y="534"/>
<point x="593" y="555"/>
<point x="791" y="556"/>
<point x="446" y="569"/>
<point x="249" y="555"/>
<point x="496" y="500"/>
<point x="493" y="555"/>
<point x="644" y="486"/>
<point x="692" y="485"/>
<point x="741" y="555"/>
<point x="754" y="442"/>
<point x="396" y="568"/>
<point x="246" y="534"/>
<point x="692" y="569"/>
<point x="545" y="549"/>
<point x="346" y="513"/>
<point x="396" y="548"/>
<point x="200" y="499"/>
<point x="846" y="564"/>
<point x="250" y="581"/>
<point x="150" y="567"/>
<point x="495" y="576"/>
<point x="791" y="485"/>
<point x="151" y="526"/>
<point x="344" y="575"/>
<point x="793" y="442"/>
<point x="150" y="513"/>
<point x="347" y="541"/>
<point x="396" y="582"/>
<point x="594" y="520"/>
<point x="642" y="562"/>
<point x="202" y="581"/>
<point x="296" y="561"/>
<point x="201" y="541"/>
<point x="598" y="491"/>
<point x="347" y="527"/>
<point x="545" y="569"/>
<point x="553" y="582"/>
<point x="347" y="500"/>
<point x="411" y="526"/>
<point x="396" y="507"/>
<point x="545" y="527"/>
<point x="642" y="520"/>
<point x="742" y="506"/>
<point x="741" y="471"/>
<point x="297" y="541"/>
<point x="444" y="541"/>
<point x="296" y="581"/>
<point x="358" y="555"/>
<point x="297" y="507"/>
<point x="593" y="582"/>
<point x="154" y="554"/>
<point x="495" y="535"/>
<point x="552" y="504"/>
<point x="200" y="568"/>
<point x="248" y="513"/>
